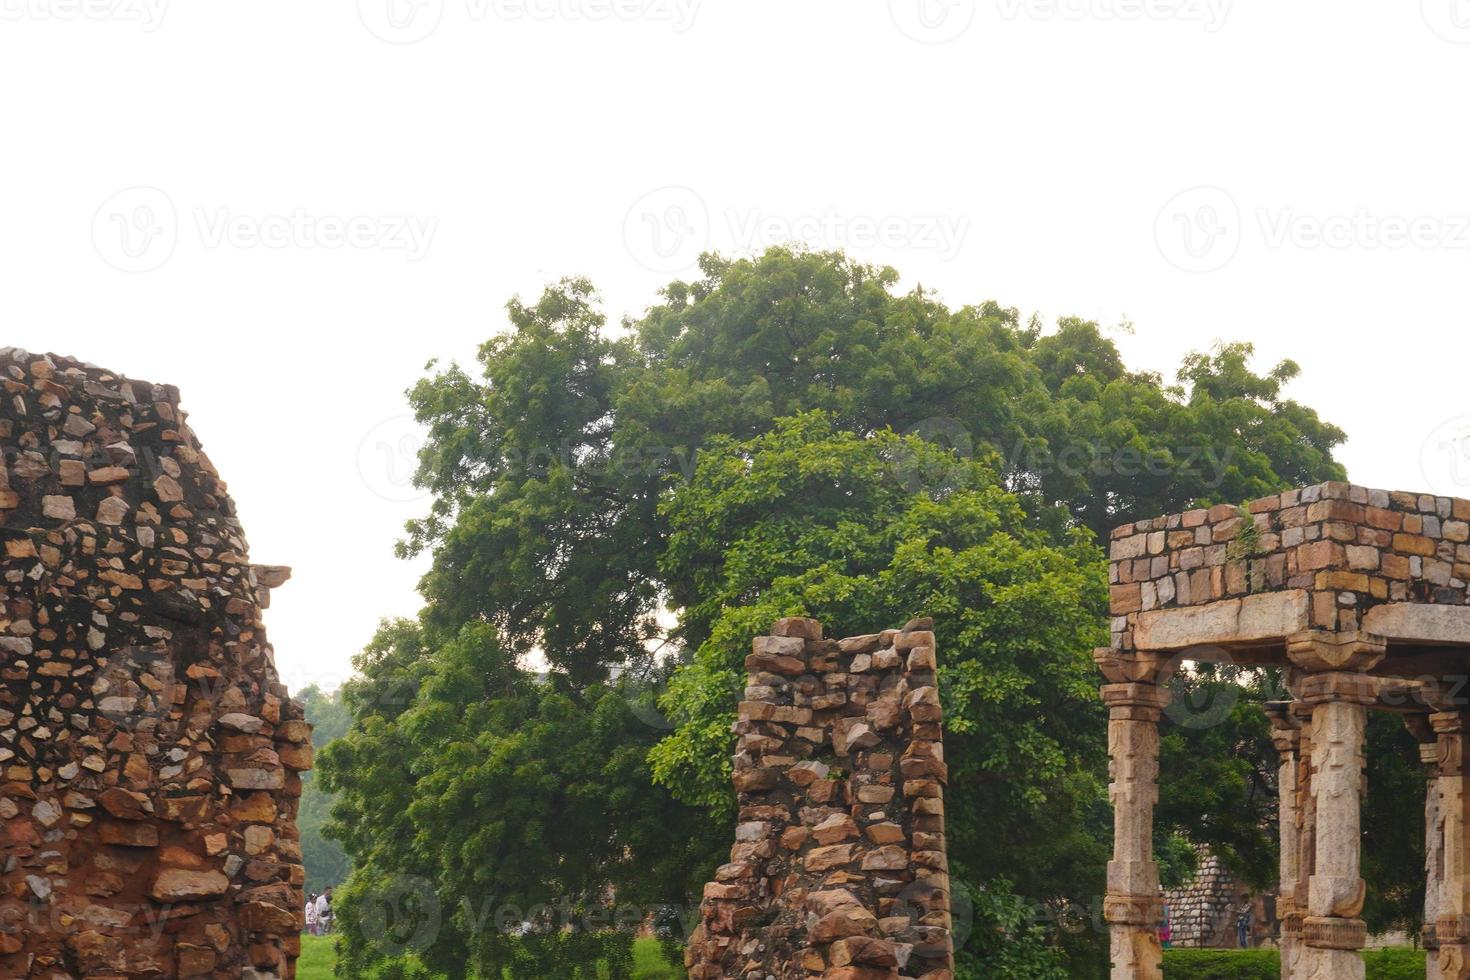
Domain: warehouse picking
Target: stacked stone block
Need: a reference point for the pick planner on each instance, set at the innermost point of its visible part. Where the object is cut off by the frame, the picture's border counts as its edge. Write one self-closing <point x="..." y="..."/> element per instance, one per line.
<point x="1347" y="547"/>
<point x="1199" y="911"/>
<point x="839" y="866"/>
<point x="149" y="756"/>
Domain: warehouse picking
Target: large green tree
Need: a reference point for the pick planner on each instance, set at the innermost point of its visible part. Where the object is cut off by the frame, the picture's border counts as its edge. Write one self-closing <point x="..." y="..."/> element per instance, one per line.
<point x="326" y="864"/>
<point x="810" y="520"/>
<point x="565" y="529"/>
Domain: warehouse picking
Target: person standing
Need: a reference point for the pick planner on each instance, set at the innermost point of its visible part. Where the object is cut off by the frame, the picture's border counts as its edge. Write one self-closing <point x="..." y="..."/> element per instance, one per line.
<point x="1243" y="926"/>
<point x="1166" y="932"/>
<point x="311" y="915"/>
<point x="324" y="913"/>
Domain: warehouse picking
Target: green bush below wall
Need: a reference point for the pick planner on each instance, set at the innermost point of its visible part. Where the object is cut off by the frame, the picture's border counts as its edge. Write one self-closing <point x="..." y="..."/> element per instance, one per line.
<point x="1264" y="964"/>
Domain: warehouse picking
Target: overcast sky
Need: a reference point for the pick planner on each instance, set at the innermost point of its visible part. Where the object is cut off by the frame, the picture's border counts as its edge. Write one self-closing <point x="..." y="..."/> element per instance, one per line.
<point x="286" y="208"/>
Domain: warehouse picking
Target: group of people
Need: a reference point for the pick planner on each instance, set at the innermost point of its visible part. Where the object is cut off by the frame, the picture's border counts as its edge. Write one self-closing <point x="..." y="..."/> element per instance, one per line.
<point x="319" y="913"/>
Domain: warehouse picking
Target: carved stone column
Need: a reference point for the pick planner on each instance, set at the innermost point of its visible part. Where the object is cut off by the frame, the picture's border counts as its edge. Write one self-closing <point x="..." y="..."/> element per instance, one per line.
<point x="1452" y="930"/>
<point x="1294" y="967"/>
<point x="1423" y="730"/>
<point x="1134" y="906"/>
<point x="1339" y="694"/>
<point x="1286" y="735"/>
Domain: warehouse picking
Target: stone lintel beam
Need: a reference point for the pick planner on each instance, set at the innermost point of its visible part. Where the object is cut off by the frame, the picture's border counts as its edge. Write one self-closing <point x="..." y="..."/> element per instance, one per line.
<point x="1266" y="617"/>
<point x="1420" y="623"/>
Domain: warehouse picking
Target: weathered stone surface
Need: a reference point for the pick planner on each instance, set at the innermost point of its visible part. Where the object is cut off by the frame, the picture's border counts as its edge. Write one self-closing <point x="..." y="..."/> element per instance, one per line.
<point x="1260" y="617"/>
<point x="148" y="752"/>
<point x="841" y="804"/>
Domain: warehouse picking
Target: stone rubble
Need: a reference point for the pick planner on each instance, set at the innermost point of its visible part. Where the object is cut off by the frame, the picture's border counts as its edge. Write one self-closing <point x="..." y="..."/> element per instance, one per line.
<point x="149" y="755"/>
<point x="839" y="867"/>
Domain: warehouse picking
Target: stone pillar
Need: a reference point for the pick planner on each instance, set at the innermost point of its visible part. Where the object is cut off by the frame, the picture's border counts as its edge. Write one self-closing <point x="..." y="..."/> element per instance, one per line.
<point x="1423" y="730"/>
<point x="1134" y="907"/>
<point x="1452" y="929"/>
<point x="1331" y="678"/>
<point x="1333" y="934"/>
<point x="1286" y="735"/>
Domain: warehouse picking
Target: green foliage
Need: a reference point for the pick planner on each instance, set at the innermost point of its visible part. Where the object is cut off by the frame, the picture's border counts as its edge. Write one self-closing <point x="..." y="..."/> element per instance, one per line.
<point x="1222" y="964"/>
<point x="326" y="864"/>
<point x="1265" y="964"/>
<point x="567" y="519"/>
<point x="1013" y="945"/>
<point x="489" y="813"/>
<point x="809" y="520"/>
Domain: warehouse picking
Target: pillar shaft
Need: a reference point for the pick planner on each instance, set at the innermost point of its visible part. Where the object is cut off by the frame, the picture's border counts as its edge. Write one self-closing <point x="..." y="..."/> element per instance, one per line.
<point x="1452" y="930"/>
<point x="1333" y="933"/>
<point x="1134" y="908"/>
<point x="1287" y="737"/>
<point x="1433" y="861"/>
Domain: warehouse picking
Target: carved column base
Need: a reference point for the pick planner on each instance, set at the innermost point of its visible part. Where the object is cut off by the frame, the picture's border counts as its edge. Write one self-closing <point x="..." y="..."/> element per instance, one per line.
<point x="1136" y="953"/>
<point x="1429" y="939"/>
<point x="1133" y="927"/>
<point x="1331" y="948"/>
<point x="1321" y="932"/>
<point x="1291" y="945"/>
<point x="1453" y="962"/>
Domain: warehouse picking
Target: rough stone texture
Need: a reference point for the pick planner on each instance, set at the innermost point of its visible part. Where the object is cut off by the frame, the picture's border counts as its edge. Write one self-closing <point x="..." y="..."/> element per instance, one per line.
<point x="148" y="753"/>
<point x="839" y="866"/>
<point x="1202" y="913"/>
<point x="1347" y="548"/>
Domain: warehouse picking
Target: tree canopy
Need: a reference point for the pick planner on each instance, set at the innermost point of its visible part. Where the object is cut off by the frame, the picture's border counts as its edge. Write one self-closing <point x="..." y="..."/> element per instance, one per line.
<point x="786" y="434"/>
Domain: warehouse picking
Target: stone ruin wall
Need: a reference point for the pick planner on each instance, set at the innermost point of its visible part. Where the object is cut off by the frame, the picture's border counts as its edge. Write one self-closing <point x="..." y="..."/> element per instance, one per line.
<point x="839" y="866"/>
<point x="1343" y="548"/>
<point x="1201" y="914"/>
<point x="149" y="756"/>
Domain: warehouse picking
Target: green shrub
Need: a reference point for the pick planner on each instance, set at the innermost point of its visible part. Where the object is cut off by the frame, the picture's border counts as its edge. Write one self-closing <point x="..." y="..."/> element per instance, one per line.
<point x="1395" y="964"/>
<point x="1264" y="964"/>
<point x="1222" y="964"/>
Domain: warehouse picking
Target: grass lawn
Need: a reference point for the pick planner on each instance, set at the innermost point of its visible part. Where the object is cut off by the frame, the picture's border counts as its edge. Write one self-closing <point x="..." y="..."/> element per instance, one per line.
<point x="318" y="958"/>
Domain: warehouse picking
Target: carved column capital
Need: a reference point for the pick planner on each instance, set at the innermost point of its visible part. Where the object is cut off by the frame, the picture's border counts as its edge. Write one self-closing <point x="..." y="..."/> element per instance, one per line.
<point x="1134" y="666"/>
<point x="1317" y="651"/>
<point x="1338" y="686"/>
<point x="1136" y="702"/>
<point x="1286" y="727"/>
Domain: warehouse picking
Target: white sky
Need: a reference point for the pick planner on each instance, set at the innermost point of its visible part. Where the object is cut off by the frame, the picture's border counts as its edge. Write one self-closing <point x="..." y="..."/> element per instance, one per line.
<point x="1045" y="155"/>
